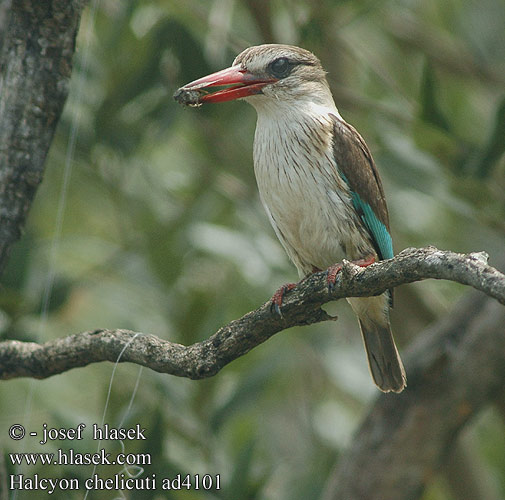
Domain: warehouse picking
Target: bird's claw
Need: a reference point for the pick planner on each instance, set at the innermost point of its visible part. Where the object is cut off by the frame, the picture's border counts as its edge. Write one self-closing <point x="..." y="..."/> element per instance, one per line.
<point x="275" y="308"/>
<point x="278" y="296"/>
<point x="331" y="275"/>
<point x="332" y="271"/>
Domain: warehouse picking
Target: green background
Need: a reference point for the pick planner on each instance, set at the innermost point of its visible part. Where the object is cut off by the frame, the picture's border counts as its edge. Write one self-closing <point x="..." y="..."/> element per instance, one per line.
<point x="162" y="232"/>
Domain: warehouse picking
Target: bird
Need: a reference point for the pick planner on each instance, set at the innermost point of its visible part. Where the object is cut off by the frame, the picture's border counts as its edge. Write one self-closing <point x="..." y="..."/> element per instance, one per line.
<point x="316" y="178"/>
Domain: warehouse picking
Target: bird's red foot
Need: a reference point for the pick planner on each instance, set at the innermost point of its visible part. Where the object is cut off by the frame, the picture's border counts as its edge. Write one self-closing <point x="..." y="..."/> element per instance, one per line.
<point x="278" y="296"/>
<point x="333" y="270"/>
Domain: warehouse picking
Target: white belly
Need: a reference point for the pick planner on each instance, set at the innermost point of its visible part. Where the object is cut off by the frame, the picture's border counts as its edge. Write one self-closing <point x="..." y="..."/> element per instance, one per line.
<point x="307" y="200"/>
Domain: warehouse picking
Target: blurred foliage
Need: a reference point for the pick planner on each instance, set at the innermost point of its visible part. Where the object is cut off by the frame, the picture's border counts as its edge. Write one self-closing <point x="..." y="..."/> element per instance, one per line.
<point x="163" y="231"/>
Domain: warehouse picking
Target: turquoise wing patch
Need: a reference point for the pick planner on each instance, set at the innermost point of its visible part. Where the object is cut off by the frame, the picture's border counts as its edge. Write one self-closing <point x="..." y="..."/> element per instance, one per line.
<point x="376" y="228"/>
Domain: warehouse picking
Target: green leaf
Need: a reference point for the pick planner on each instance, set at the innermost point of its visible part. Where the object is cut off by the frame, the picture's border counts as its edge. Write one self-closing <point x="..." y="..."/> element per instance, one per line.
<point x="431" y="112"/>
<point x="495" y="146"/>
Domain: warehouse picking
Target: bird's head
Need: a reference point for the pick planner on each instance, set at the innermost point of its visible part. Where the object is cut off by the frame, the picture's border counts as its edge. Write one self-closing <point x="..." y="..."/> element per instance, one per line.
<point x="266" y="76"/>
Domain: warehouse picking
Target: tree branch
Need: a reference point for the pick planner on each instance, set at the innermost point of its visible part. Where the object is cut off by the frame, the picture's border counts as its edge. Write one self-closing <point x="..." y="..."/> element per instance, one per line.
<point x="35" y="67"/>
<point x="302" y="306"/>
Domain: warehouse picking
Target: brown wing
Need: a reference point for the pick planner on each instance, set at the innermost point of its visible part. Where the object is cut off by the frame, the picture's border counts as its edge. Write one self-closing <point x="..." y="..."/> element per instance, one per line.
<point x="355" y="161"/>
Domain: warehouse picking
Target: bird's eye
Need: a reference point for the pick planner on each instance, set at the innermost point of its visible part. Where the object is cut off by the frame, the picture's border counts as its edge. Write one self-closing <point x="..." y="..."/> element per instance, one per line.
<point x="281" y="67"/>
